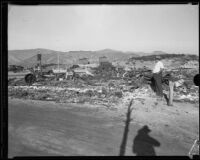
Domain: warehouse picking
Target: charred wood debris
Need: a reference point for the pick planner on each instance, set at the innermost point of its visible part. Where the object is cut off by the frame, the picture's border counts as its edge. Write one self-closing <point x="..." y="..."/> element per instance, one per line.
<point x="108" y="85"/>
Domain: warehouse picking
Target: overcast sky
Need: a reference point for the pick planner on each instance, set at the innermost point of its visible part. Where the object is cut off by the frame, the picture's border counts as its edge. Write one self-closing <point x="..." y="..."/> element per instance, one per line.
<point x="170" y="28"/>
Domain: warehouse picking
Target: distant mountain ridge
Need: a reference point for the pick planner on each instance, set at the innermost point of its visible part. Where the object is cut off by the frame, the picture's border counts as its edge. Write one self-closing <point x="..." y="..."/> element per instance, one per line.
<point x="28" y="57"/>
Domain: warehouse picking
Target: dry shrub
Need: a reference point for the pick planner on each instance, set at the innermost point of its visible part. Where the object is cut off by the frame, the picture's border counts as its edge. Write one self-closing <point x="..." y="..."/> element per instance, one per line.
<point x="118" y="94"/>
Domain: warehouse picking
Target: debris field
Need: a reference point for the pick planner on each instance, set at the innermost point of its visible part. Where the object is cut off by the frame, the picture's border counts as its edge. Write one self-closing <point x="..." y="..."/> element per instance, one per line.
<point x="105" y="87"/>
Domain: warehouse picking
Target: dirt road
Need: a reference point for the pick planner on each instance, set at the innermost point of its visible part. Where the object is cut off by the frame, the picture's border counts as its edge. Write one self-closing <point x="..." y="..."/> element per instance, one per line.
<point x="39" y="128"/>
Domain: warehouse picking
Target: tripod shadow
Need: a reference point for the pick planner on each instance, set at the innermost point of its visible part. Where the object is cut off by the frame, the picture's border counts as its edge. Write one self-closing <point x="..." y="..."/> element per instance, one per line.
<point x="126" y="130"/>
<point x="143" y="144"/>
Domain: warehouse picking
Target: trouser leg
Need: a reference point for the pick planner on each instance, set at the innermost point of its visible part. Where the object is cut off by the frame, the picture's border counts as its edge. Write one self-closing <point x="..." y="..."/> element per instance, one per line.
<point x="158" y="83"/>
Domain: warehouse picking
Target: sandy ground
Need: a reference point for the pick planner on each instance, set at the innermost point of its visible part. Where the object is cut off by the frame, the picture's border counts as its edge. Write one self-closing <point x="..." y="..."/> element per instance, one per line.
<point x="42" y="128"/>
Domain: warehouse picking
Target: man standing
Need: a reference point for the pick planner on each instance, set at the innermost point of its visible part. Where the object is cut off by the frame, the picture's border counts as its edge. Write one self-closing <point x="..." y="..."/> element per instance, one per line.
<point x="157" y="76"/>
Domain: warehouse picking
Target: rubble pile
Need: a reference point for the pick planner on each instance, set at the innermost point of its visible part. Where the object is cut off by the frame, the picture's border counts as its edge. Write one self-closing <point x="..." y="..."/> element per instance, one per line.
<point x="16" y="82"/>
<point x="139" y="93"/>
<point x="106" y="88"/>
<point x="185" y="90"/>
<point x="95" y="95"/>
<point x="105" y="71"/>
<point x="184" y="94"/>
<point x="109" y="93"/>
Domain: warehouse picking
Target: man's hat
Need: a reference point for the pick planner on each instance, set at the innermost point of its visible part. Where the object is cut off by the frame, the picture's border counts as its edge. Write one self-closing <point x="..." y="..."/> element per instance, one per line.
<point x="145" y="129"/>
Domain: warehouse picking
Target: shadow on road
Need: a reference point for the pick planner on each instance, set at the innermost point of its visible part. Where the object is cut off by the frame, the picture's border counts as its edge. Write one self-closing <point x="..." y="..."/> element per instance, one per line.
<point x="143" y="144"/>
<point x="126" y="129"/>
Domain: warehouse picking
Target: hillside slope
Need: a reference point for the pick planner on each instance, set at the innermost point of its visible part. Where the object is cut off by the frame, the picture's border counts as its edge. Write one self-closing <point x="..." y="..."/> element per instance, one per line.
<point x="28" y="57"/>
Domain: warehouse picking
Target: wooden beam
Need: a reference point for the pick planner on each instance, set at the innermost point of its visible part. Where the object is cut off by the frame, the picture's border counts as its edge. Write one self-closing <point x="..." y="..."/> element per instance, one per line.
<point x="171" y="93"/>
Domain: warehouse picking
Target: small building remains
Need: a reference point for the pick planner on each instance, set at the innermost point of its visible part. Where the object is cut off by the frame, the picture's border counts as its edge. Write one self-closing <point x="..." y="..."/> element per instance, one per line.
<point x="84" y="61"/>
<point x="103" y="59"/>
<point x="15" y="68"/>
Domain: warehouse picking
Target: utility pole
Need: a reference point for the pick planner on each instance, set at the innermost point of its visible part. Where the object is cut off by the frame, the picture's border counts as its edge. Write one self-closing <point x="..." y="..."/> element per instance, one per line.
<point x="58" y="63"/>
<point x="39" y="59"/>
